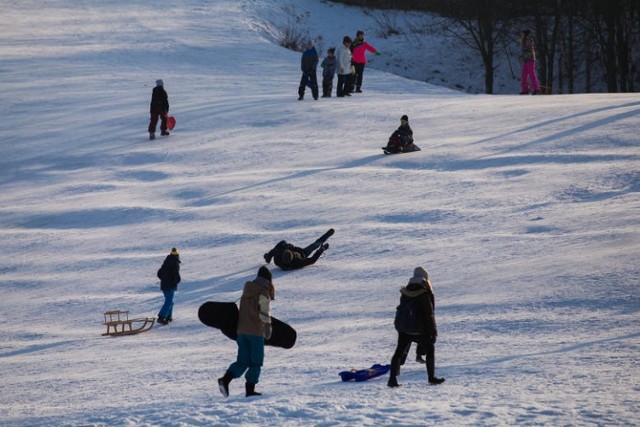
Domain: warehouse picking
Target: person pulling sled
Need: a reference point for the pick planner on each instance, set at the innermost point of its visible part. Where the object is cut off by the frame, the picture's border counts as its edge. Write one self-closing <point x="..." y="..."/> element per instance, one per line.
<point x="159" y="108"/>
<point x="401" y="141"/>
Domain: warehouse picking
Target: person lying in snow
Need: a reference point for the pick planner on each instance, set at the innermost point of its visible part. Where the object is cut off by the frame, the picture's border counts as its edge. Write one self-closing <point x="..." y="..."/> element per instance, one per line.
<point x="290" y="257"/>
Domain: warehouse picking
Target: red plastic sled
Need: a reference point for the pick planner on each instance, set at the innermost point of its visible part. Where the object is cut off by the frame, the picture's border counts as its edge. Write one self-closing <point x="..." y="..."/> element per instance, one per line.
<point x="171" y="121"/>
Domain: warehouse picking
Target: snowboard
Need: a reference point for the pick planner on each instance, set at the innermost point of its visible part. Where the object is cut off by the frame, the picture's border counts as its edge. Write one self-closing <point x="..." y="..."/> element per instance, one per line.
<point x="365" y="374"/>
<point x="389" y="150"/>
<point x="224" y="316"/>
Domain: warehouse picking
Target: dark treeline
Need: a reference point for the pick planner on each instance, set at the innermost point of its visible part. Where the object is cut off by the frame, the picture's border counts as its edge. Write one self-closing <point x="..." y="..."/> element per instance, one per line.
<point x="582" y="45"/>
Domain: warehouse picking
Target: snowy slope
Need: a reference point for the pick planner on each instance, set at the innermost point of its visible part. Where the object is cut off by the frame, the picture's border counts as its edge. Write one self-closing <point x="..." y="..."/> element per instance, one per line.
<point x="523" y="209"/>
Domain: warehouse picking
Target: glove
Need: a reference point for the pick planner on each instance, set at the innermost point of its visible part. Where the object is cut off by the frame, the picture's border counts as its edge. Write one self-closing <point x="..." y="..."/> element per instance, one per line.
<point x="377" y="53"/>
<point x="267" y="331"/>
<point x="267" y="258"/>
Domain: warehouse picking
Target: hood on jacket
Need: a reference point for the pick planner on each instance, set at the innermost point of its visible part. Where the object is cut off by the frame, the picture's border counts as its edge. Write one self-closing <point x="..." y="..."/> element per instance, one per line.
<point x="421" y="276"/>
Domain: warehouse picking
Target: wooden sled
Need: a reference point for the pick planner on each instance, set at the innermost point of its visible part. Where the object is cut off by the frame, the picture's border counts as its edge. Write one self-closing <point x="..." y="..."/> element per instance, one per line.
<point x="122" y="325"/>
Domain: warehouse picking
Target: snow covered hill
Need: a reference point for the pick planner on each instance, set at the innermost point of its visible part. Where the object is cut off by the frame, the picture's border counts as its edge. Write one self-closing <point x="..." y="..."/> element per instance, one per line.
<point x="525" y="211"/>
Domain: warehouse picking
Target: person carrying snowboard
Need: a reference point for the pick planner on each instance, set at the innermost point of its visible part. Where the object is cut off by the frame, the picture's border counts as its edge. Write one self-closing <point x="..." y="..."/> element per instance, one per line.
<point x="159" y="108"/>
<point x="401" y="141"/>
<point x="291" y="257"/>
<point x="169" y="275"/>
<point x="308" y="65"/>
<point x="415" y="322"/>
<point x="254" y="327"/>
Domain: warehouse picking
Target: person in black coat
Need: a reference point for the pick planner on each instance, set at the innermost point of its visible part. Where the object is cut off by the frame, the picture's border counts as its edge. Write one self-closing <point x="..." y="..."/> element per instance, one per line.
<point x="291" y="257"/>
<point x="169" y="275"/>
<point x="159" y="108"/>
<point x="419" y="327"/>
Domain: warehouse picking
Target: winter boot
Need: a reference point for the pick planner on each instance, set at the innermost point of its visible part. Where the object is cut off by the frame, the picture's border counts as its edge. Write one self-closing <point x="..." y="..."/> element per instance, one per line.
<point x="152" y="136"/>
<point x="326" y="235"/>
<point x="436" y="381"/>
<point x="223" y="383"/>
<point x="393" y="382"/>
<point x="165" y="133"/>
<point x="251" y="390"/>
<point x="419" y="359"/>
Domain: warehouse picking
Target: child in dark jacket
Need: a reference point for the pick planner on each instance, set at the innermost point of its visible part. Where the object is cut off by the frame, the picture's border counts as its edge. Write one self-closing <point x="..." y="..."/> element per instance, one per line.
<point x="308" y="65"/>
<point x="290" y="257"/>
<point x="169" y="275"/>
<point x="159" y="108"/>
<point x="401" y="141"/>
<point x="328" y="65"/>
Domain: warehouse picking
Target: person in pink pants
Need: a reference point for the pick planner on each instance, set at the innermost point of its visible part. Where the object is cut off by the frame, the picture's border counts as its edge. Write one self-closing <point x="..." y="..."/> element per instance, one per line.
<point x="529" y="64"/>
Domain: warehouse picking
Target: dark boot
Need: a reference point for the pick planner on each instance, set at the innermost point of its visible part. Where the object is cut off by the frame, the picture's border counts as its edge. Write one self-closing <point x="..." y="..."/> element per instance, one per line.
<point x="223" y="383"/>
<point x="393" y="382"/>
<point x="251" y="390"/>
<point x="431" y="371"/>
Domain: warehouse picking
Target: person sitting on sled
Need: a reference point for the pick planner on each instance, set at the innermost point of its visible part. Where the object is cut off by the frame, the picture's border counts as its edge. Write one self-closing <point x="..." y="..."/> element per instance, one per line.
<point x="291" y="257"/>
<point x="401" y="141"/>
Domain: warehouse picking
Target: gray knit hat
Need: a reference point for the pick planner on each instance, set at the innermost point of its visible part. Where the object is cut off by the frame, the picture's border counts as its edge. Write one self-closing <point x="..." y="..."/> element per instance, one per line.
<point x="159" y="82"/>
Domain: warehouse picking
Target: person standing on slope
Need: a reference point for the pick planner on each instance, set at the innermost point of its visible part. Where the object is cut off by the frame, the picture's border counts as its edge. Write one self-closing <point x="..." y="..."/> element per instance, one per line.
<point x="308" y="65"/>
<point x="159" y="108"/>
<point x="359" y="49"/>
<point x="254" y="327"/>
<point x="169" y="275"/>
<point x="528" y="46"/>
<point x="416" y="322"/>
<point x="343" y="57"/>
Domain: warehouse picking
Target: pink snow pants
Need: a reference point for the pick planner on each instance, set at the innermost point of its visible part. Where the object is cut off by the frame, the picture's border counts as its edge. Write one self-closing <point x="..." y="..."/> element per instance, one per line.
<point x="529" y="72"/>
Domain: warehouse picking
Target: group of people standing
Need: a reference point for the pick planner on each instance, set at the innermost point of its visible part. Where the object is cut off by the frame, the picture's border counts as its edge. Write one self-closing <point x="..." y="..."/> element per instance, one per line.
<point x="348" y="61"/>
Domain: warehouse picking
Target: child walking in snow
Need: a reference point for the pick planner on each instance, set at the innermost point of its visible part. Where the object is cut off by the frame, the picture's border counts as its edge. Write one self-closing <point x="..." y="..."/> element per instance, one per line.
<point x="159" y="108"/>
<point x="328" y="65"/>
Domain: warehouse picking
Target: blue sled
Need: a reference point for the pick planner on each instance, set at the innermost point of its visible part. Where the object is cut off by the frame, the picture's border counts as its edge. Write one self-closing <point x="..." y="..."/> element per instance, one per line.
<point x="365" y="374"/>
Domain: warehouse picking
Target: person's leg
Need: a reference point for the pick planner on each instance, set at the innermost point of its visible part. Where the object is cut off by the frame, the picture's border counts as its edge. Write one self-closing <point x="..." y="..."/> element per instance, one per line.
<point x="167" y="307"/>
<point x="314" y="84"/>
<point x="429" y="348"/>
<point x="303" y="84"/>
<point x="242" y="362"/>
<point x="340" y="85"/>
<point x="255" y="359"/>
<point x="404" y="342"/>
<point x="523" y="79"/>
<point x="359" y="73"/>
<point x="163" y="123"/>
<point x="533" y="77"/>
<point x="153" y="121"/>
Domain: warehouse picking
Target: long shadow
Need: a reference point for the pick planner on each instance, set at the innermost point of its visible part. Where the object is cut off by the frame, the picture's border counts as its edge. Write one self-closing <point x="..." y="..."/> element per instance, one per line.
<point x="352" y="164"/>
<point x="566" y="349"/>
<point x="557" y="120"/>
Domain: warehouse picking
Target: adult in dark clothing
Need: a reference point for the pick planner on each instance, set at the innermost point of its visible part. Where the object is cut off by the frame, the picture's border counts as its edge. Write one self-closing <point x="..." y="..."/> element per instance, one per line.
<point x="159" y="108"/>
<point x="291" y="257"/>
<point x="169" y="275"/>
<point x="254" y="327"/>
<point x="420" y="329"/>
<point x="308" y="65"/>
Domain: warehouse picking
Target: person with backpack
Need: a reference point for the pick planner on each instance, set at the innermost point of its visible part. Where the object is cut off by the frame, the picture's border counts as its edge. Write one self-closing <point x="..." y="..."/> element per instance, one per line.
<point x="159" y="108"/>
<point x="169" y="275"/>
<point x="254" y="327"/>
<point x="290" y="257"/>
<point x="415" y="322"/>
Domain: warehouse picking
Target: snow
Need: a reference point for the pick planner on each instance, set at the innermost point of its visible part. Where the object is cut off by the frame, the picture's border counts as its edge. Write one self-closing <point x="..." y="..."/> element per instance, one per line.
<point x="524" y="210"/>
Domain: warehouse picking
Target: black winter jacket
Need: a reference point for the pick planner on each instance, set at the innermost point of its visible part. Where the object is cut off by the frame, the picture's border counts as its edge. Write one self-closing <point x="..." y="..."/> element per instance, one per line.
<point x="159" y="100"/>
<point x="426" y="308"/>
<point x="169" y="273"/>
